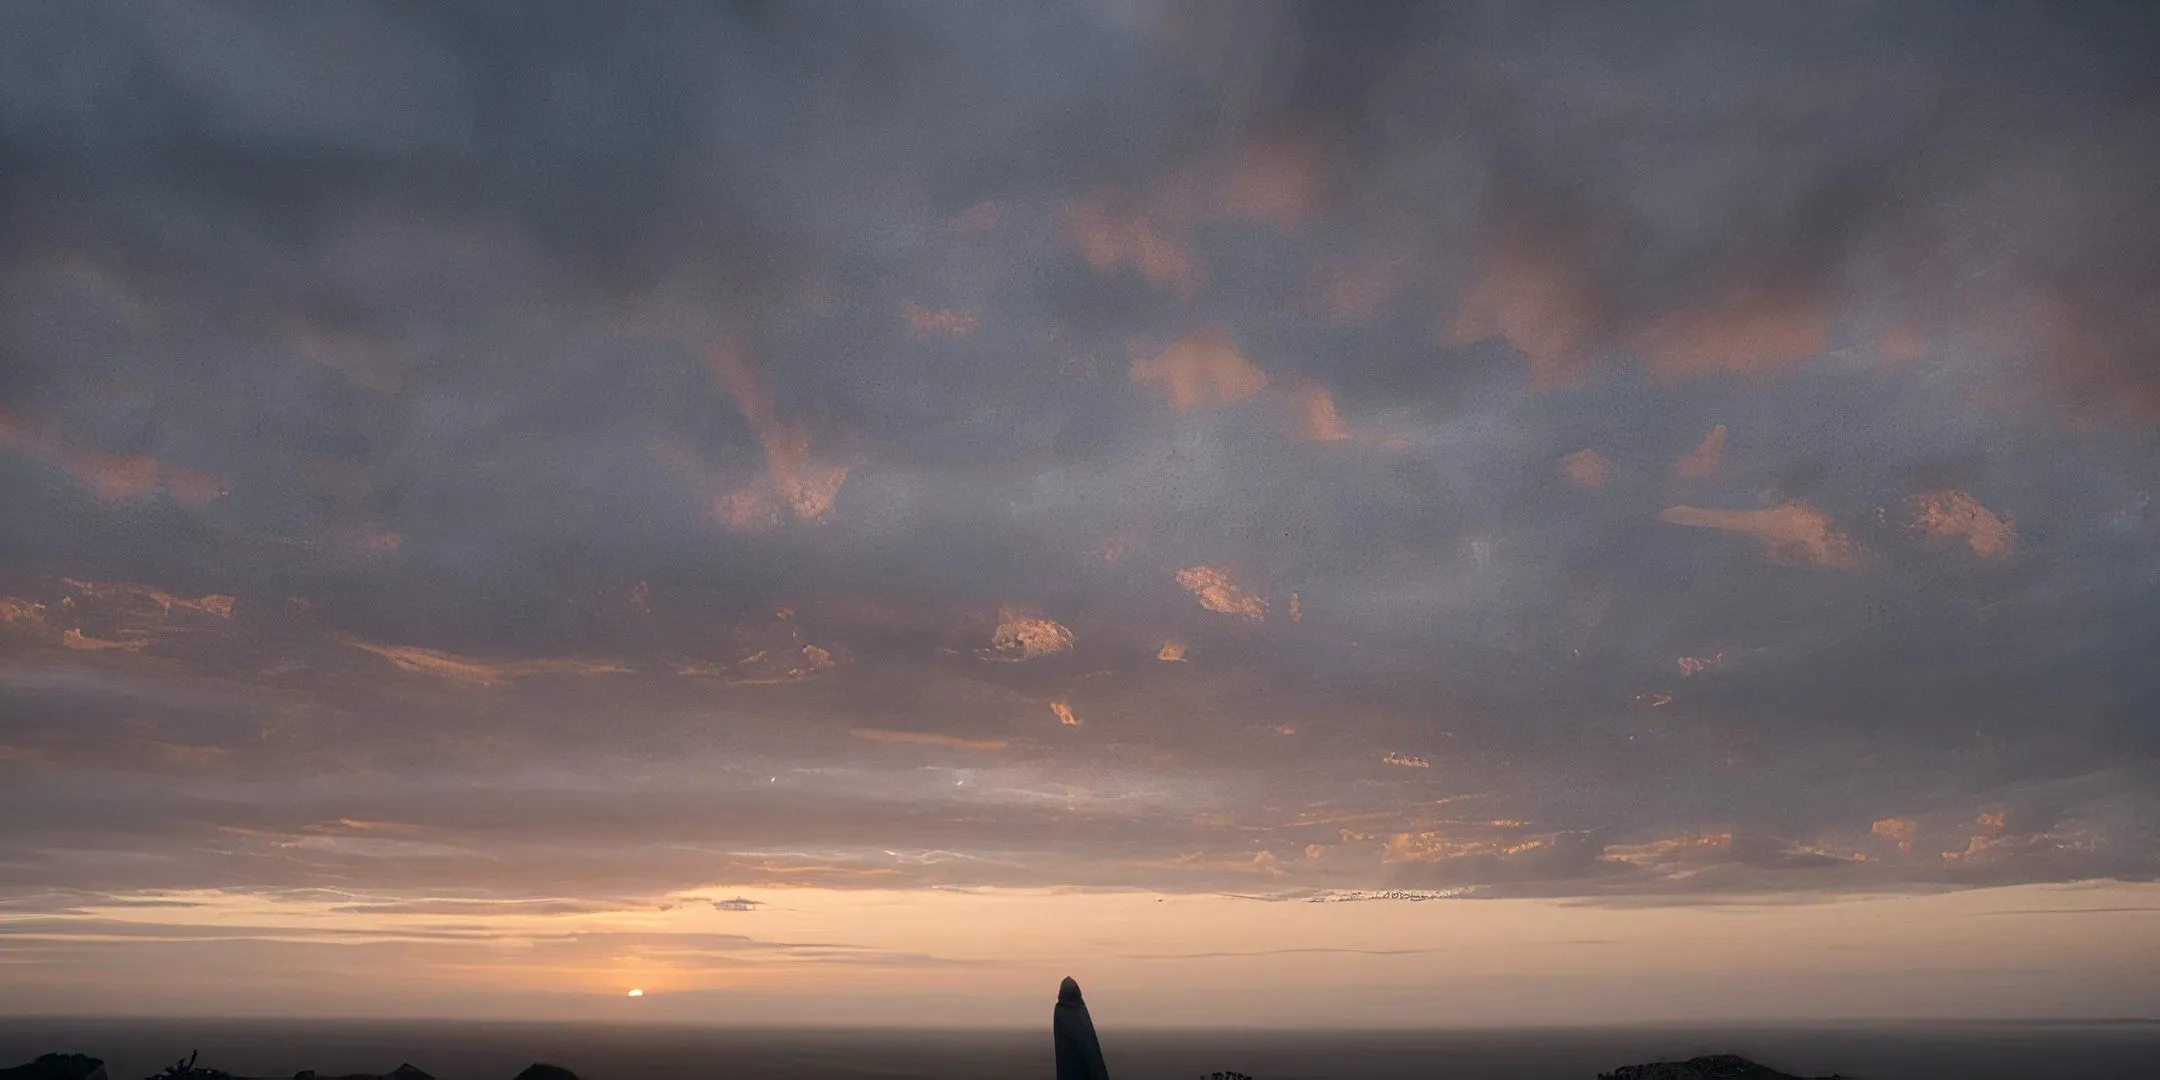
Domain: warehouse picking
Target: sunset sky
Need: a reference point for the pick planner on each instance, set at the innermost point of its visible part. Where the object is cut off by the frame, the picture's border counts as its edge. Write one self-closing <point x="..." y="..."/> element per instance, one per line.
<point x="1342" y="513"/>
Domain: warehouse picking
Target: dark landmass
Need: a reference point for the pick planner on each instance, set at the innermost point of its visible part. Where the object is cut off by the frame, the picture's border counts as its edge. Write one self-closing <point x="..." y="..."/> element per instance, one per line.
<point x="1714" y="1067"/>
<point x="58" y="1067"/>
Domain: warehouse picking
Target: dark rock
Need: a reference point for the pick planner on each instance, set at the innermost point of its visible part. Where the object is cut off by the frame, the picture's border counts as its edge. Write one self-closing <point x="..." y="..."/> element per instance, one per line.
<point x="542" y="1071"/>
<point x="58" y="1067"/>
<point x="1714" y="1067"/>
<point x="186" y="1070"/>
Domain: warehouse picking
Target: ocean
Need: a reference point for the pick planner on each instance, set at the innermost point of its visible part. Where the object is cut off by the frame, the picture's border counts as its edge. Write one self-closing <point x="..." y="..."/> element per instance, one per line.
<point x="135" y="1049"/>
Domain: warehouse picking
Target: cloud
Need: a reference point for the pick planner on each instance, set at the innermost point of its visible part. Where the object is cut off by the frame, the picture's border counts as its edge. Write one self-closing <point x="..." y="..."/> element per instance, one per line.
<point x="1322" y="422"/>
<point x="1021" y="637"/>
<point x="463" y="669"/>
<point x="927" y="739"/>
<point x="1064" y="714"/>
<point x="113" y="477"/>
<point x="1792" y="534"/>
<point x="76" y="639"/>
<point x="1586" y="468"/>
<point x="1111" y="239"/>
<point x="806" y="486"/>
<point x="1953" y="514"/>
<point x="927" y="322"/>
<point x="1705" y="460"/>
<point x="737" y="904"/>
<point x="1173" y="651"/>
<point x="1216" y="592"/>
<point x="1202" y="369"/>
<point x="1406" y="760"/>
<point x="216" y="604"/>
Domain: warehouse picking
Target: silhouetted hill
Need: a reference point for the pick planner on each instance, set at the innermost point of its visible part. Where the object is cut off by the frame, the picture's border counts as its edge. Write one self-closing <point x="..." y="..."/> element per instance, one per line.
<point x="58" y="1067"/>
<point x="1713" y="1067"/>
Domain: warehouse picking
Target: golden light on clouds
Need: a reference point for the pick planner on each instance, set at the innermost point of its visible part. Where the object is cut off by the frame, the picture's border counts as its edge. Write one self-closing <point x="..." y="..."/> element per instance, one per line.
<point x="76" y="639"/>
<point x="1748" y="333"/>
<point x="113" y="478"/>
<point x="805" y="485"/>
<point x="1064" y="714"/>
<point x="1408" y="761"/>
<point x="1322" y="422"/>
<point x="1112" y="239"/>
<point x="1274" y="180"/>
<point x="1020" y="637"/>
<point x="1706" y="459"/>
<point x="1901" y="831"/>
<point x="1171" y="650"/>
<point x="463" y="669"/>
<point x="1586" y="468"/>
<point x="1792" y="534"/>
<point x="1536" y="301"/>
<point x="1216" y="592"/>
<point x="1953" y="514"/>
<point x="924" y="738"/>
<point x="1691" y="666"/>
<point x="1203" y="368"/>
<point x="216" y="604"/>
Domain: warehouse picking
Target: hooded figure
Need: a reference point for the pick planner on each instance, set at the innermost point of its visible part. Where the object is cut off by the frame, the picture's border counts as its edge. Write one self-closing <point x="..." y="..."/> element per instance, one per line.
<point x="1079" y="1056"/>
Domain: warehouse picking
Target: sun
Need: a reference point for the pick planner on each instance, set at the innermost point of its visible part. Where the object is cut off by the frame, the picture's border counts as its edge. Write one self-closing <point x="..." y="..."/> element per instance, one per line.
<point x="637" y="993"/>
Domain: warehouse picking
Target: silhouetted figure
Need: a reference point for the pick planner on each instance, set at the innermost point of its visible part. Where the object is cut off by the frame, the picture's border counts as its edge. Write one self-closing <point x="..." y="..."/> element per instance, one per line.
<point x="1079" y="1055"/>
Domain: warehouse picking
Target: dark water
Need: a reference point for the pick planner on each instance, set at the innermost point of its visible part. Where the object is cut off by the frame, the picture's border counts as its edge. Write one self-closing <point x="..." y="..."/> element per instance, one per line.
<point x="134" y="1049"/>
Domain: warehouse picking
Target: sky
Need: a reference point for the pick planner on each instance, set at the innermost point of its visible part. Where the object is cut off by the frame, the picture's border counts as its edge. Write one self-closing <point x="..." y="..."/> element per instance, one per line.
<point x="1377" y="514"/>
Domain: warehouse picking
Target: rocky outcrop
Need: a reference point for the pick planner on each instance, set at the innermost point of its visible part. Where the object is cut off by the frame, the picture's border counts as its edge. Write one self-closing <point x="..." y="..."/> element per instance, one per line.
<point x="543" y="1071"/>
<point x="58" y="1067"/>
<point x="1714" y="1067"/>
<point x="402" y="1072"/>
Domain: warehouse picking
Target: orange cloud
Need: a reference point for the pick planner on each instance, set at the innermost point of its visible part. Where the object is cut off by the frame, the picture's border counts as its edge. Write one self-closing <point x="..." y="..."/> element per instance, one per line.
<point x="765" y="667"/>
<point x="1172" y="651"/>
<point x="1899" y="830"/>
<point x="1275" y="180"/>
<point x="1656" y="699"/>
<point x="113" y="477"/>
<point x="1064" y="714"/>
<point x="1110" y="239"/>
<point x="1217" y="592"/>
<point x="926" y="739"/>
<point x="1691" y="666"/>
<point x="799" y="480"/>
<point x="1203" y="368"/>
<point x="76" y="639"/>
<point x="479" y="672"/>
<point x="1705" y="460"/>
<point x="1669" y="850"/>
<point x="1536" y="301"/>
<point x="1793" y="534"/>
<point x="29" y="615"/>
<point x="216" y="604"/>
<point x="1024" y="637"/>
<point x="1954" y="514"/>
<point x="1322" y="422"/>
<point x="1752" y="332"/>
<point x="1586" y="468"/>
<point x="1407" y="761"/>
<point x="928" y="322"/>
<point x="1297" y="608"/>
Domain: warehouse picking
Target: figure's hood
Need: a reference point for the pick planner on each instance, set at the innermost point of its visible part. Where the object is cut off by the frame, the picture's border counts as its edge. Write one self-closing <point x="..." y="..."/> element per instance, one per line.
<point x="1068" y="992"/>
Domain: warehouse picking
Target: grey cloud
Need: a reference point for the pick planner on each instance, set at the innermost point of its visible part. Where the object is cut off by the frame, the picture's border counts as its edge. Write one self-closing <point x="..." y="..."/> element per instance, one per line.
<point x="427" y="365"/>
